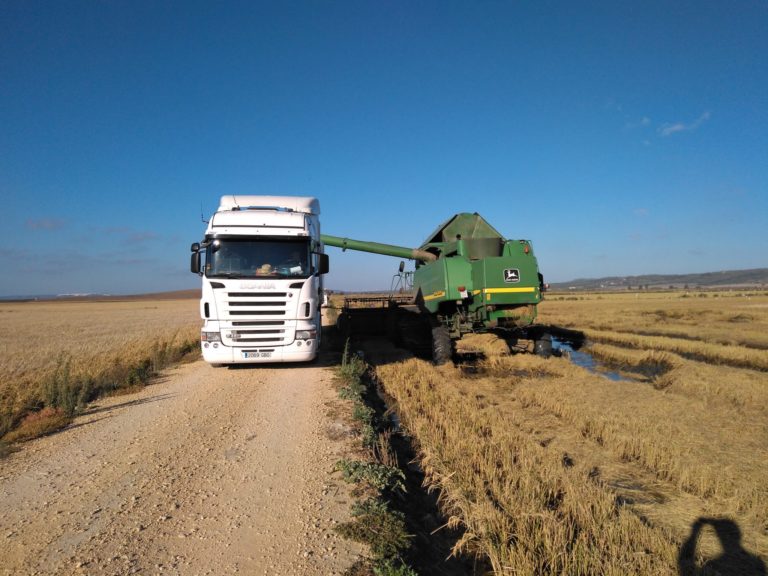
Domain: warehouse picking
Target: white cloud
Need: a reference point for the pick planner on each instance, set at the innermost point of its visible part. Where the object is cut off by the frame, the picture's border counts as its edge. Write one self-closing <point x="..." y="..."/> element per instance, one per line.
<point x="45" y="224"/>
<point x="129" y="235"/>
<point x="642" y="123"/>
<point x="669" y="129"/>
<point x="139" y="237"/>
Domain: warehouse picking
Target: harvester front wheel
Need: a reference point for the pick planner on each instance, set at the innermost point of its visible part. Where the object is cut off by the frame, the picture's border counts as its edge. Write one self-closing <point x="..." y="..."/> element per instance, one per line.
<point x="442" y="348"/>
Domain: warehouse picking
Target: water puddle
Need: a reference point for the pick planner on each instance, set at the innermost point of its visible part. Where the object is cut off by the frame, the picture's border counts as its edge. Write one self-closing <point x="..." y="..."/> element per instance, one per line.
<point x="565" y="343"/>
<point x="585" y="360"/>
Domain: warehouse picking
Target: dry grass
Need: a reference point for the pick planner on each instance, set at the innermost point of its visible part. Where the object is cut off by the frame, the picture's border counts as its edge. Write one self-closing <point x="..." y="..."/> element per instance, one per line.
<point x="521" y="506"/>
<point x="711" y="384"/>
<point x="734" y="355"/>
<point x="39" y="423"/>
<point x="721" y="318"/>
<point x="556" y="469"/>
<point x="60" y="355"/>
<point x="678" y="438"/>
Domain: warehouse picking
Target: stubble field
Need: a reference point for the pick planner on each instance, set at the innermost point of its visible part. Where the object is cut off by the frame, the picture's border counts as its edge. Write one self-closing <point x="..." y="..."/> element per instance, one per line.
<point x="56" y="356"/>
<point x="654" y="462"/>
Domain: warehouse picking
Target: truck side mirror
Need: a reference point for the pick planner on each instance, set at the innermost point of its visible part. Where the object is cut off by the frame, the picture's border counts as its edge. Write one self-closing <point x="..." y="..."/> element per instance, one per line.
<point x="402" y="266"/>
<point x="195" y="247"/>
<point x="194" y="265"/>
<point x="323" y="263"/>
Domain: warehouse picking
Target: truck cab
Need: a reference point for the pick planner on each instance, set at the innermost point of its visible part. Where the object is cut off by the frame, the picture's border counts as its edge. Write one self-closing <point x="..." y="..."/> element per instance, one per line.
<point x="261" y="263"/>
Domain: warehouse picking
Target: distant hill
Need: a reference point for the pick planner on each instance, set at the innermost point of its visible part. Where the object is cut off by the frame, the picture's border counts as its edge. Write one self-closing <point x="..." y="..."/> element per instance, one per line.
<point x="754" y="278"/>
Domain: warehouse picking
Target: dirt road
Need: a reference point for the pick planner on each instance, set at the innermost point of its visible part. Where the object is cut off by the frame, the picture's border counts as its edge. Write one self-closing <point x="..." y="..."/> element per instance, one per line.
<point x="209" y="471"/>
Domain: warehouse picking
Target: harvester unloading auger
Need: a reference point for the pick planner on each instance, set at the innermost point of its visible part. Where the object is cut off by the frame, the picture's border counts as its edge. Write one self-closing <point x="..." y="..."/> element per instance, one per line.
<point x="468" y="278"/>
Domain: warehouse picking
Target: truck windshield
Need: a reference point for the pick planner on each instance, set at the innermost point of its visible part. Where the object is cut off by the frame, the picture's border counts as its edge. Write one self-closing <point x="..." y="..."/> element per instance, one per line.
<point x="236" y="258"/>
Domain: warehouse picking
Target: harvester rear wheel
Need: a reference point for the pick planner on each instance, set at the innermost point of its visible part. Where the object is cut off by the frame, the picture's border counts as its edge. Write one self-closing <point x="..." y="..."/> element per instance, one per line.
<point x="442" y="348"/>
<point x="542" y="346"/>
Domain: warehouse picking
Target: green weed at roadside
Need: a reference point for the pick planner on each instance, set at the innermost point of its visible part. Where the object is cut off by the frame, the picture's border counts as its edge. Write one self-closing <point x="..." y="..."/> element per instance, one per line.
<point x="379" y="527"/>
<point x="376" y="475"/>
<point x="373" y="522"/>
<point x="352" y="366"/>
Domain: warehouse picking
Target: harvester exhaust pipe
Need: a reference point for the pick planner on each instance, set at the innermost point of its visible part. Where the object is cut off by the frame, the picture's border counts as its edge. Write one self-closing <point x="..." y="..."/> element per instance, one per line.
<point x="377" y="248"/>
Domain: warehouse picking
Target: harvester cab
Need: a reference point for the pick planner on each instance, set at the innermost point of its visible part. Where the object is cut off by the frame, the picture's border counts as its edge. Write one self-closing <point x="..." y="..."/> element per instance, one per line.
<point x="468" y="278"/>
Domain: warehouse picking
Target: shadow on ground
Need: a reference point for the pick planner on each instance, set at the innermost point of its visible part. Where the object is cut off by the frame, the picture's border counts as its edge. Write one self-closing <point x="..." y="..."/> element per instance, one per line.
<point x="733" y="560"/>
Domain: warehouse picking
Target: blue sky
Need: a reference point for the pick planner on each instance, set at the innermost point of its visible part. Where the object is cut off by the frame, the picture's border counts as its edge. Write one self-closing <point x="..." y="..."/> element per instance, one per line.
<point x="621" y="138"/>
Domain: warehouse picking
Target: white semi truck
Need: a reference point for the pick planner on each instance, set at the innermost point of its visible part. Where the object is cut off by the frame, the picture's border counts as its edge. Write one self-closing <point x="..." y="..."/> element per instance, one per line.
<point x="261" y="263"/>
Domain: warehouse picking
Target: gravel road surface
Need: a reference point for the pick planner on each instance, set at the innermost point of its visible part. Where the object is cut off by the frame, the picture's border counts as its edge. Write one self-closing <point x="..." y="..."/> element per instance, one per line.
<point x="208" y="471"/>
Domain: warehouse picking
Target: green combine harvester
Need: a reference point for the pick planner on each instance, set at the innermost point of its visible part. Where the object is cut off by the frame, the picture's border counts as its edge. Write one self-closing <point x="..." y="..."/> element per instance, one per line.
<point x="468" y="279"/>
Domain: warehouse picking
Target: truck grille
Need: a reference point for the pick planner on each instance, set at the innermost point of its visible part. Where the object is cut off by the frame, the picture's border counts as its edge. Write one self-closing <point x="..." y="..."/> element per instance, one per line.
<point x="250" y="336"/>
<point x="257" y="318"/>
<point x="257" y="312"/>
<point x="260" y="294"/>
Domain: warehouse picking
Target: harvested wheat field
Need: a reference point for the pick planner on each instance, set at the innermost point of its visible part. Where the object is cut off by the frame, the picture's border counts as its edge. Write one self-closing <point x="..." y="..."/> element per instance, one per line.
<point x="57" y="356"/>
<point x="656" y="462"/>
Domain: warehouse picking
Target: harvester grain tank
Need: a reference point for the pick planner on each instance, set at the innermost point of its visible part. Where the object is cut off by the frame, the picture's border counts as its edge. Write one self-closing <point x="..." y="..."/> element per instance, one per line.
<point x="469" y="278"/>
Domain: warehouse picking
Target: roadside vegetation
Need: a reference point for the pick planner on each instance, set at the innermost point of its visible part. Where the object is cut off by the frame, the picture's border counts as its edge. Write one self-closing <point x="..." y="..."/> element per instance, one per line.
<point x="377" y="478"/>
<point x="56" y="357"/>
<point x="554" y="468"/>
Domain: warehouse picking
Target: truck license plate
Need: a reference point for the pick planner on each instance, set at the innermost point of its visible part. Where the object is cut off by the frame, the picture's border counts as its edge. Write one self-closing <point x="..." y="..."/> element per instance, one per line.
<point x="257" y="354"/>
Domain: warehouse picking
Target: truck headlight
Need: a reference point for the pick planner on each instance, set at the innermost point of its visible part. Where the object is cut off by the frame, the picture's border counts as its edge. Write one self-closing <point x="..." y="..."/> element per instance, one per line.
<point x="306" y="334"/>
<point x="210" y="336"/>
